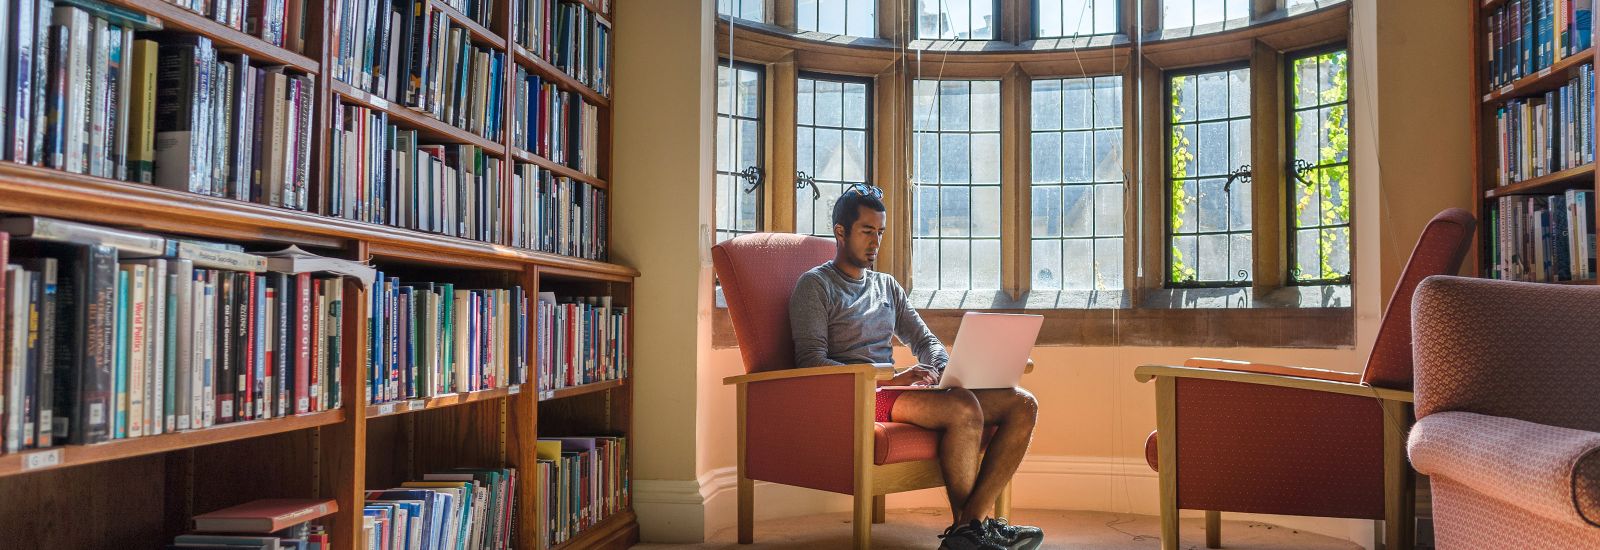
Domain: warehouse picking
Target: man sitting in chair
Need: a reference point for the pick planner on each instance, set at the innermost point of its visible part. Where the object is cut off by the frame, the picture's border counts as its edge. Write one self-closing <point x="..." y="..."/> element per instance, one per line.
<point x="842" y="312"/>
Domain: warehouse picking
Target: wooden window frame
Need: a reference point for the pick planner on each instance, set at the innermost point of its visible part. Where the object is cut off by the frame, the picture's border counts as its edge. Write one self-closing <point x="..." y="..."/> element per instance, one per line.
<point x="1288" y="159"/>
<point x="1165" y="175"/>
<point x="871" y="129"/>
<point x="763" y="144"/>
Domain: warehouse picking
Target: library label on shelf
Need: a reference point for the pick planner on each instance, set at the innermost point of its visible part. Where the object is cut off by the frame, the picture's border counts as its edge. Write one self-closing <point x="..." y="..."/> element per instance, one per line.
<point x="416" y="405"/>
<point x="386" y="409"/>
<point x="41" y="459"/>
<point x="513" y="390"/>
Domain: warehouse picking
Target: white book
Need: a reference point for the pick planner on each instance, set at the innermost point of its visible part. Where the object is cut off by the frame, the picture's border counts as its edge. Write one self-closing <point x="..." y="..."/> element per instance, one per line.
<point x="182" y="341"/>
<point x="137" y="339"/>
<point x="18" y="282"/>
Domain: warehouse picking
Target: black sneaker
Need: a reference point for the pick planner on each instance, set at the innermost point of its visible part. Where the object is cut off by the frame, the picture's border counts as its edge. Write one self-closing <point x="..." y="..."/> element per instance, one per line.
<point x="1016" y="537"/>
<point x="970" y="536"/>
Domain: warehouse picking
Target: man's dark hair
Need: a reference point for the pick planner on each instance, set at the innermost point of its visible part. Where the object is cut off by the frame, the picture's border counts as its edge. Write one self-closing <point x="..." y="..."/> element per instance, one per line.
<point x="847" y="209"/>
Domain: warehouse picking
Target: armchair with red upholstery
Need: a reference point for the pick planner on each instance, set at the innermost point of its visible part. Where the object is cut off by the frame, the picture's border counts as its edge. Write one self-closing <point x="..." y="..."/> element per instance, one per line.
<point x="810" y="427"/>
<point x="1234" y="436"/>
<point x="1508" y="419"/>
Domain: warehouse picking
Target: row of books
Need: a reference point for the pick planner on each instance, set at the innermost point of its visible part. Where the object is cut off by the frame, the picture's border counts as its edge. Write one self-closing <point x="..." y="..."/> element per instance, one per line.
<point x="114" y="334"/>
<point x="585" y="480"/>
<point x="555" y="124"/>
<point x="407" y="53"/>
<point x="567" y="34"/>
<point x="386" y="175"/>
<point x="430" y="339"/>
<point x="278" y="22"/>
<point x="1547" y="133"/>
<point x="265" y="524"/>
<point x="479" y="11"/>
<point x="582" y="340"/>
<point x="462" y="508"/>
<point x="1524" y="36"/>
<point x="1543" y="238"/>
<point x="557" y="214"/>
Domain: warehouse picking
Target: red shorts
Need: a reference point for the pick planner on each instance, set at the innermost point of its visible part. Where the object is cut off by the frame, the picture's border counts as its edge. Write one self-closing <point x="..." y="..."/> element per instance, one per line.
<point x="885" y="403"/>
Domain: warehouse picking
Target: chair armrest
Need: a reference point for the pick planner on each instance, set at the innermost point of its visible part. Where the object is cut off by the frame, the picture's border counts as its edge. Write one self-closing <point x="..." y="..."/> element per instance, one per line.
<point x="1550" y="471"/>
<point x="877" y="373"/>
<point x="1147" y="372"/>
<point x="1266" y="368"/>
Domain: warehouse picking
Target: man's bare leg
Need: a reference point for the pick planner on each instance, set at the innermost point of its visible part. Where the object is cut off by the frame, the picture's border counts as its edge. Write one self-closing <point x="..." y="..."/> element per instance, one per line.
<point x="959" y="415"/>
<point x="1014" y="412"/>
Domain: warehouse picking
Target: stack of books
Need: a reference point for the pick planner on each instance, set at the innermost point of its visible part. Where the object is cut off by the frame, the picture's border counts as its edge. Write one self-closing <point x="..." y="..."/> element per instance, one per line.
<point x="113" y="334"/>
<point x="430" y="339"/>
<point x="557" y="214"/>
<point x="569" y="36"/>
<point x="267" y="524"/>
<point x="384" y="174"/>
<point x="1543" y="238"/>
<point x="585" y="480"/>
<point x="459" y="508"/>
<point x="1547" y="133"/>
<point x="582" y="340"/>
<point x="555" y="124"/>
<point x="1525" y="36"/>
<point x="407" y="53"/>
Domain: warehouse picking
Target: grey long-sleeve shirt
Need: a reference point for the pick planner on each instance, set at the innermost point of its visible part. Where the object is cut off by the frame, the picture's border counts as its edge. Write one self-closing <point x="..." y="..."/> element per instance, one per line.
<point x="837" y="320"/>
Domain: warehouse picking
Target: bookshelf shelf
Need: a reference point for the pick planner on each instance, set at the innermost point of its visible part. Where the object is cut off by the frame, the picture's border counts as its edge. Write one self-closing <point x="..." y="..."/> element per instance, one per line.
<point x="522" y="155"/>
<point x="1545" y="79"/>
<point x="563" y="80"/>
<point x="226" y="38"/>
<point x="440" y="402"/>
<point x="430" y="128"/>
<point x="609" y="532"/>
<point x="77" y="455"/>
<point x="574" y="391"/>
<point x="478" y="32"/>
<point x="1571" y="178"/>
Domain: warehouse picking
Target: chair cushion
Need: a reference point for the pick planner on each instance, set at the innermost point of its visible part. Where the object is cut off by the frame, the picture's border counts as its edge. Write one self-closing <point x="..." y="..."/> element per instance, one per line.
<point x="896" y="442"/>
<point x="758" y="272"/>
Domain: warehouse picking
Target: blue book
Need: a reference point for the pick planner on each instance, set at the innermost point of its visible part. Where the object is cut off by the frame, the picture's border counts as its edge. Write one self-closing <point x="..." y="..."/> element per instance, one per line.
<point x="120" y="366"/>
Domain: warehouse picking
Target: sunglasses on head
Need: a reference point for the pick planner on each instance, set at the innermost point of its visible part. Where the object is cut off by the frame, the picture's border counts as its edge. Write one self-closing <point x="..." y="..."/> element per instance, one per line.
<point x="864" y="190"/>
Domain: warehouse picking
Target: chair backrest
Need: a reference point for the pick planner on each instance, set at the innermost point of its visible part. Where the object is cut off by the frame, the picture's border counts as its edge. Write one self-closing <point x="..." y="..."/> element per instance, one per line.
<point x="1439" y="251"/>
<point x="758" y="272"/>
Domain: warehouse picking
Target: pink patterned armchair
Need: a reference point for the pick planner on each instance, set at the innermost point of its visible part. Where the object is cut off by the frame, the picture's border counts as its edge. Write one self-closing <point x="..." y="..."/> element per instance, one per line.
<point x="810" y="427"/>
<point x="1508" y="412"/>
<point x="1236" y="436"/>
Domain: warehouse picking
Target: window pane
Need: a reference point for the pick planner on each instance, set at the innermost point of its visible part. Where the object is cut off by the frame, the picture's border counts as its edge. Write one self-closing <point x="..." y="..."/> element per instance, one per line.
<point x="955" y="19"/>
<point x="1065" y="18"/>
<point x="1204" y="199"/>
<point x="753" y="10"/>
<point x="848" y="17"/>
<point x="738" y="148"/>
<point x="956" y="185"/>
<point x="1077" y="197"/>
<point x="831" y="148"/>
<point x="1318" y="167"/>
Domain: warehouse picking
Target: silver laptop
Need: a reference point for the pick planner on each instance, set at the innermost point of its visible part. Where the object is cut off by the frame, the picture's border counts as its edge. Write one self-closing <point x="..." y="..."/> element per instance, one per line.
<point x="991" y="350"/>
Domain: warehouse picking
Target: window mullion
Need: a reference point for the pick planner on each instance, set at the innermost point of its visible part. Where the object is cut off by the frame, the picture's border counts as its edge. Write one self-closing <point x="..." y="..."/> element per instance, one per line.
<point x="1266" y="158"/>
<point x="781" y="12"/>
<point x="1015" y="205"/>
<point x="780" y="192"/>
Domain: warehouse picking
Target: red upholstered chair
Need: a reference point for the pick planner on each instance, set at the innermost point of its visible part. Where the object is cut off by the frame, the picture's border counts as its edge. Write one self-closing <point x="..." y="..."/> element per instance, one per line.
<point x="1245" y="437"/>
<point x="810" y="427"/>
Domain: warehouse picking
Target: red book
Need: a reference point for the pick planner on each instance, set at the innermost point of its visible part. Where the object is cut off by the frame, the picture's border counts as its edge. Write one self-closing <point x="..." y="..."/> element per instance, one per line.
<point x="264" y="516"/>
<point x="302" y="357"/>
<point x="317" y="357"/>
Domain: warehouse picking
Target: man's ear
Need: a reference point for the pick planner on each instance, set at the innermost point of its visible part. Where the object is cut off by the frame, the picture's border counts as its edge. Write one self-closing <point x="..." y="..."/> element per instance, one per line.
<point x="838" y="232"/>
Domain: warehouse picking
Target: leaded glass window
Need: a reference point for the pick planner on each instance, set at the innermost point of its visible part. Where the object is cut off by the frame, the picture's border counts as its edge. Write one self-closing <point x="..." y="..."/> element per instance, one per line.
<point x="851" y="17"/>
<point x="750" y="10"/>
<point x="957" y="19"/>
<point x="739" y="163"/>
<point x="1193" y="13"/>
<point x="955" y="184"/>
<point x="1077" y="184"/>
<point x="832" y="146"/>
<point x="1065" y="18"/>
<point x="1208" y="184"/>
<point x="1318" y="169"/>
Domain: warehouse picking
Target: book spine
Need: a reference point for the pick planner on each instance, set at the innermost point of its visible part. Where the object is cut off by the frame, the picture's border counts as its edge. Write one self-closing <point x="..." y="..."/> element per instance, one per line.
<point x="45" y="382"/>
<point x="303" y="343"/>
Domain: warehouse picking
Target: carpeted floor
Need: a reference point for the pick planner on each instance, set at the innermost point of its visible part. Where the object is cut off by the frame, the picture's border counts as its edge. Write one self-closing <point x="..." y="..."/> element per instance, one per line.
<point x="916" y="528"/>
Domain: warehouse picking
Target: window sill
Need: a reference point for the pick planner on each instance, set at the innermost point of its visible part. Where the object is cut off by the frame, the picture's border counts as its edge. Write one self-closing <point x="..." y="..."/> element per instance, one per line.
<point x="1293" y="317"/>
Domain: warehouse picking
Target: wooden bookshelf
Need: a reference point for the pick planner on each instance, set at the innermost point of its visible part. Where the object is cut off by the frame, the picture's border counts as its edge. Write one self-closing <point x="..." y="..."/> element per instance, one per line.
<point x="1487" y="157"/>
<point x="167" y="479"/>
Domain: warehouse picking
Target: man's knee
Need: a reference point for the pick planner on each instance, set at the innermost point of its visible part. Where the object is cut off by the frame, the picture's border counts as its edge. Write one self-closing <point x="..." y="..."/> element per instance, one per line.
<point x="1026" y="407"/>
<point x="964" y="408"/>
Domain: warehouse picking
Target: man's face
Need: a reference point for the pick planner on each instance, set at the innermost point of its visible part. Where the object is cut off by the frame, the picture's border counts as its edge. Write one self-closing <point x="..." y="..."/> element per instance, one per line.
<point x="860" y="243"/>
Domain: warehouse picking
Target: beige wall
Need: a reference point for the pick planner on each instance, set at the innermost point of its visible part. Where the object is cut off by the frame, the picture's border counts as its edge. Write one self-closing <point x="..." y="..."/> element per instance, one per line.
<point x="1412" y="97"/>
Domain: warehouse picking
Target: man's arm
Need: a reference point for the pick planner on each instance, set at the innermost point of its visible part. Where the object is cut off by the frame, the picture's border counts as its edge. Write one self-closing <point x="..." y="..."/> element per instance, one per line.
<point x="910" y="329"/>
<point x="808" y="324"/>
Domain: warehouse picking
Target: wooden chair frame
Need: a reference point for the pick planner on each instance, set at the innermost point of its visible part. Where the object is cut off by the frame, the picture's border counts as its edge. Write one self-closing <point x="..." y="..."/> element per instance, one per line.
<point x="1398" y="489"/>
<point x="872" y="481"/>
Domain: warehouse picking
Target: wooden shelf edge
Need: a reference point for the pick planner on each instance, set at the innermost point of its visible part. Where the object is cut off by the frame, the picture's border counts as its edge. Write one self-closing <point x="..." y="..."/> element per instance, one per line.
<point x="229" y="38"/>
<point x="1550" y="182"/>
<point x="55" y="193"/>
<point x="475" y="29"/>
<point x="561" y="78"/>
<point x="77" y="455"/>
<point x="582" y="389"/>
<point x="1544" y="79"/>
<point x="417" y="120"/>
<point x="441" y="402"/>
<point x="618" y="531"/>
<point x="523" y="155"/>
